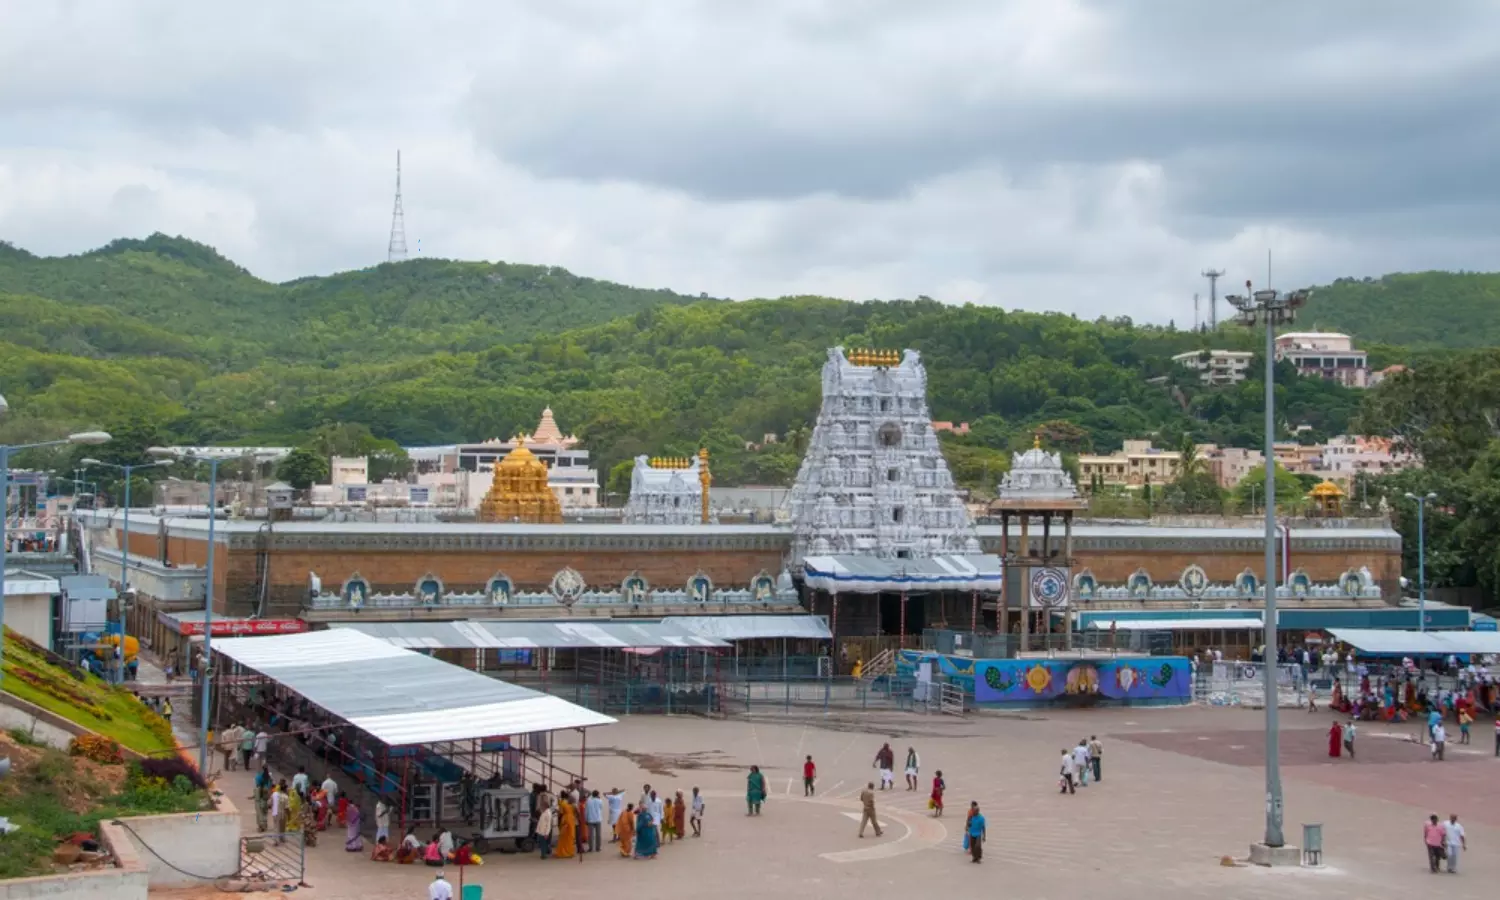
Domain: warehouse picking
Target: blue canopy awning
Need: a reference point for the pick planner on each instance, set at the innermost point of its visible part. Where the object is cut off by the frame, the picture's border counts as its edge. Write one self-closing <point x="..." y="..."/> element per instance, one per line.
<point x="869" y="575"/>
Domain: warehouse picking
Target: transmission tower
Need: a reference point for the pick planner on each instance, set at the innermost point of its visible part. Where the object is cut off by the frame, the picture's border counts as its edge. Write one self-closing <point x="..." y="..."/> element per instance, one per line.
<point x="1212" y="275"/>
<point x="396" y="252"/>
<point x="1197" y="319"/>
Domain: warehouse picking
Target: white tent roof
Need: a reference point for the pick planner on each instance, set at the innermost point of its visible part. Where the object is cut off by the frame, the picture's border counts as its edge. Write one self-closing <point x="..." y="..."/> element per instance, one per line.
<point x="400" y="697"/>
<point x="741" y="628"/>
<point x="507" y="635"/>
<point x="1394" y="642"/>
<point x="1245" y="624"/>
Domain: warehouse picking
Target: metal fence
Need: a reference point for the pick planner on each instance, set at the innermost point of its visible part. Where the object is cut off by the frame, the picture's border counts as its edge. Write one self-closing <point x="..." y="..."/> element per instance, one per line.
<point x="1008" y="646"/>
<point x="268" y="858"/>
<point x="1243" y="684"/>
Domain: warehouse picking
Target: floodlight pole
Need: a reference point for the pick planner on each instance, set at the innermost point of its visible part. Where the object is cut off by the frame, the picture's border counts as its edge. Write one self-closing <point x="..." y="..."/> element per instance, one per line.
<point x="1271" y="308"/>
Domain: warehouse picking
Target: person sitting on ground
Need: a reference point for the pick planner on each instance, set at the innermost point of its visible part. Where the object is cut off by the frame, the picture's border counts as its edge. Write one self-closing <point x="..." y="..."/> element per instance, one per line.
<point x="410" y="848"/>
<point x="382" y="851"/>
<point x="433" y="855"/>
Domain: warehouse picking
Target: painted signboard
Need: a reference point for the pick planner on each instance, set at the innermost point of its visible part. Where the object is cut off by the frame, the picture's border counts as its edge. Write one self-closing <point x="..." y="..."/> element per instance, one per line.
<point x="1083" y="682"/>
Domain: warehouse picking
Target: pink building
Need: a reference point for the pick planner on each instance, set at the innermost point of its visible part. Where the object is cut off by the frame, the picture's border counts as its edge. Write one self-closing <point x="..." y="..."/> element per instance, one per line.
<point x="1230" y="464"/>
<point x="1346" y="456"/>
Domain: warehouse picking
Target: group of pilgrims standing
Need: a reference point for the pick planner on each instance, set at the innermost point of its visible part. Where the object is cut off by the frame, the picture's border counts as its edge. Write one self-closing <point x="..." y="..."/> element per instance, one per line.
<point x="568" y="825"/>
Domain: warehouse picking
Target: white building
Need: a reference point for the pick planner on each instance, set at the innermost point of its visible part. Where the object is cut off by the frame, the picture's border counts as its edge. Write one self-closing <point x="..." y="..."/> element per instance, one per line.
<point x="1325" y="354"/>
<point x="666" y="491"/>
<point x="1215" y="367"/>
<point x="1346" y="456"/>
<point x="874" y="481"/>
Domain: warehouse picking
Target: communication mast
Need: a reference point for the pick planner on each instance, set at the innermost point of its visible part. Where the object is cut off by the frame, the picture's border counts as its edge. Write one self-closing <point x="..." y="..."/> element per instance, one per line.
<point x="396" y="252"/>
<point x="1213" y="276"/>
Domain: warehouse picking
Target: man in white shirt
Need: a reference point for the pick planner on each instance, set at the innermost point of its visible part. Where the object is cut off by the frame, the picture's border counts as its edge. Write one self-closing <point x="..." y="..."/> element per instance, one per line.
<point x="1453" y="834"/>
<point x="382" y="820"/>
<point x="440" y="889"/>
<point x="262" y="744"/>
<point x="1081" y="763"/>
<point x="300" y="781"/>
<point x="593" y="814"/>
<point x="331" y="788"/>
<point x="616" y="801"/>
<point x="1068" y="772"/>
<point x="1439" y="738"/>
<point x="697" y="817"/>
<point x="657" y="807"/>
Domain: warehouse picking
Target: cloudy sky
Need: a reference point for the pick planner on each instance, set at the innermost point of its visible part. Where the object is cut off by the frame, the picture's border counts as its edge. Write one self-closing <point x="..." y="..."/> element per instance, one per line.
<point x="1091" y="157"/>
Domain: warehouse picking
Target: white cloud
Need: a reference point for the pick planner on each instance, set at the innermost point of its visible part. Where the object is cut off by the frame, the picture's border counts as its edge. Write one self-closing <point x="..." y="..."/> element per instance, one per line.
<point x="1077" y="155"/>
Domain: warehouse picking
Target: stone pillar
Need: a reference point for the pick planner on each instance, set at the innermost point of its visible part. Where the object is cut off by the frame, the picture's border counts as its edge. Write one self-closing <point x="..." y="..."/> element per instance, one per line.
<point x="1004" y="534"/>
<point x="1068" y="538"/>
<point x="1025" y="605"/>
<point x="901" y="627"/>
<point x="973" y="617"/>
<point x="1047" y="537"/>
<point x="1025" y="536"/>
<point x="833" y="620"/>
<point x="1068" y="623"/>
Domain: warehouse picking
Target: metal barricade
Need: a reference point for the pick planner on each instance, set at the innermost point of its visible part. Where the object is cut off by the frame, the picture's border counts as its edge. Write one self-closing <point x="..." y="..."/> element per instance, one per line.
<point x="273" y="858"/>
<point x="1312" y="845"/>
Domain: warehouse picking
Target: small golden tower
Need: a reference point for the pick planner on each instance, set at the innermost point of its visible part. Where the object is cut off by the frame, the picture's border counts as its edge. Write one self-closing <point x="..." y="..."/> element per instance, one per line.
<point x="1328" y="499"/>
<point x="520" y="492"/>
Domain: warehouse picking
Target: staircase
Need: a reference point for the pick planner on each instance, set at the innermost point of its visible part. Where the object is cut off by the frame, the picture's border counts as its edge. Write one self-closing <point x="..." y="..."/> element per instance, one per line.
<point x="882" y="663"/>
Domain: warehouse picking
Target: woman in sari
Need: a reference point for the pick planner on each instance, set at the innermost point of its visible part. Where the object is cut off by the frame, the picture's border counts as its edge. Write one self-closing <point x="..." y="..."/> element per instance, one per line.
<point x="382" y="851"/>
<point x="755" y="790"/>
<point x="294" y="810"/>
<point x="679" y="816"/>
<point x="625" y="830"/>
<point x="320" y="801"/>
<point x="1336" y="740"/>
<point x="646" y="840"/>
<point x="567" y="829"/>
<point x="352" y="840"/>
<point x="668" y="820"/>
<point x="309" y="821"/>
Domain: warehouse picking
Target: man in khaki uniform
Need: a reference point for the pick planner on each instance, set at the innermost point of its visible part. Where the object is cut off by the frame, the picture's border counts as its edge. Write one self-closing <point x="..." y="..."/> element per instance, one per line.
<point x="867" y="797"/>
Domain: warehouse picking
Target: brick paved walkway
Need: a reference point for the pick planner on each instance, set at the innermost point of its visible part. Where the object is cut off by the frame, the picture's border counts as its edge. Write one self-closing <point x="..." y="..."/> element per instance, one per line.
<point x="1181" y="789"/>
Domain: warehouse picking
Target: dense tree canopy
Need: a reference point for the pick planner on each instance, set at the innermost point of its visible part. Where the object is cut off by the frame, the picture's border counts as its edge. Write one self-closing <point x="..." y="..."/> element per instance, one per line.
<point x="168" y="332"/>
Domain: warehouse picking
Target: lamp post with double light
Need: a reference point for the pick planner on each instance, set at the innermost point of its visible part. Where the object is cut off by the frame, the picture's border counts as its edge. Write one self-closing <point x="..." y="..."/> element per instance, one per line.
<point x="169" y="455"/>
<point x="1271" y="308"/>
<point x="128" y="471"/>
<point x="82" y="437"/>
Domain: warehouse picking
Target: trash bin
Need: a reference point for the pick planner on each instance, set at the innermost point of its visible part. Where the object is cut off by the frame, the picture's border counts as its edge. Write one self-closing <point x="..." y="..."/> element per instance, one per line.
<point x="1312" y="845"/>
<point x="473" y="892"/>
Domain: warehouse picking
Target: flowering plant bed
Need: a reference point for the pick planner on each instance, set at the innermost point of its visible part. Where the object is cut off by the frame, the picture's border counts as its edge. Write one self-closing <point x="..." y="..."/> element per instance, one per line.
<point x="32" y="674"/>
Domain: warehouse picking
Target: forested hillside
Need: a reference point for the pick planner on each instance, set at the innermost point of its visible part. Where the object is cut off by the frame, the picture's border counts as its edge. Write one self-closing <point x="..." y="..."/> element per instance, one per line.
<point x="1422" y="310"/>
<point x="165" y="331"/>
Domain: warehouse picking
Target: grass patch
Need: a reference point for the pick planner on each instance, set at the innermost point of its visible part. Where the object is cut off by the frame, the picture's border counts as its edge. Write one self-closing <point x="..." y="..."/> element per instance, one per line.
<point x="46" y="679"/>
<point x="52" y="796"/>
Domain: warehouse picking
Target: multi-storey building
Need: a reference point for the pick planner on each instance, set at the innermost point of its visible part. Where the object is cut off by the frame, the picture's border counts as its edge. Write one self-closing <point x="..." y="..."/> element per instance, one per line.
<point x="1216" y="367"/>
<point x="1325" y="354"/>
<point x="1135" y="465"/>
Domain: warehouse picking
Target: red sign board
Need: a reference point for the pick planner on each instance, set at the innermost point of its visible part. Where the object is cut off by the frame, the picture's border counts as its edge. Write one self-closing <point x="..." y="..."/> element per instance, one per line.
<point x="233" y="627"/>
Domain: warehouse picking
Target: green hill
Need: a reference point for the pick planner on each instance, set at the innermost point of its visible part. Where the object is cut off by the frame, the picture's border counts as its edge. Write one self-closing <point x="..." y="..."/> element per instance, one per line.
<point x="1421" y="310"/>
<point x="236" y="321"/>
<point x="168" y="336"/>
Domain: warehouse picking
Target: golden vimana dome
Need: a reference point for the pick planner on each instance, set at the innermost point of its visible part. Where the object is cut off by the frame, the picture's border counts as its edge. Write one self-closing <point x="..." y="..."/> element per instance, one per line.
<point x="520" y="492"/>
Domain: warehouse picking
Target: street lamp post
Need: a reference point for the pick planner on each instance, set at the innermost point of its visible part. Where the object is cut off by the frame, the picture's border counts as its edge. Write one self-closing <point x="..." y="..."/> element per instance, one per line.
<point x="82" y="437"/>
<point x="1421" y="555"/>
<point x="168" y="454"/>
<point x="1271" y="308"/>
<point x="124" y="549"/>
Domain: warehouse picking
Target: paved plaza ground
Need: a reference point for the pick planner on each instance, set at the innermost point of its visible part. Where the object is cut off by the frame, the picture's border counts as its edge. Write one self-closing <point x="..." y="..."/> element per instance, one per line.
<point x="1182" y="788"/>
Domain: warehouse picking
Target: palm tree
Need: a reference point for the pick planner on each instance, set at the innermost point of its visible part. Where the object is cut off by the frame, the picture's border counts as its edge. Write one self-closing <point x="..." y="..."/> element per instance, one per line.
<point x="1191" y="463"/>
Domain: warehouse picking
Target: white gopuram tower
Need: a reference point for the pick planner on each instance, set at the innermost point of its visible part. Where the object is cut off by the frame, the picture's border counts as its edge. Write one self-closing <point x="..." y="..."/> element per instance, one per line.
<point x="874" y="482"/>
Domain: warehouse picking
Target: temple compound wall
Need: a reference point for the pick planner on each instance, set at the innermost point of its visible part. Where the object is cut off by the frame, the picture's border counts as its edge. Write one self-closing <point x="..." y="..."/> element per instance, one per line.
<point x="394" y="558"/>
